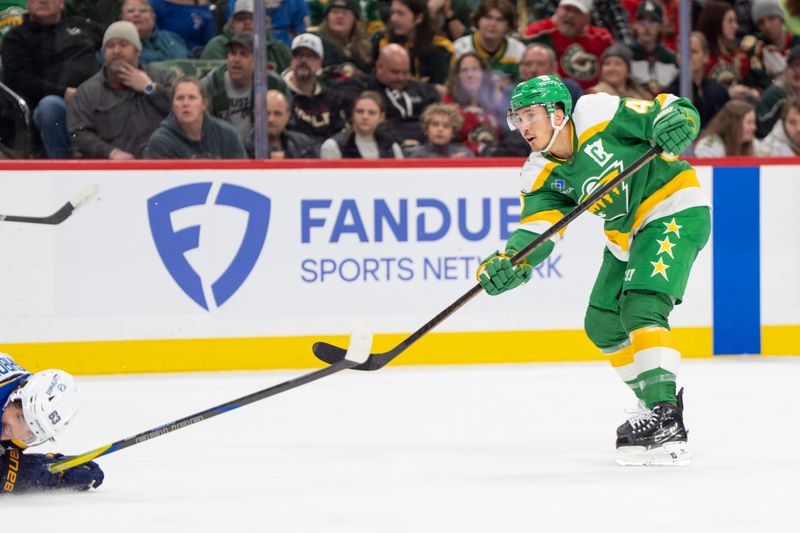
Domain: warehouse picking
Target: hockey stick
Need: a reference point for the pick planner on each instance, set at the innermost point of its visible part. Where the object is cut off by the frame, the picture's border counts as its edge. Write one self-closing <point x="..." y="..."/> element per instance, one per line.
<point x="333" y="354"/>
<point x="63" y="213"/>
<point x="357" y="353"/>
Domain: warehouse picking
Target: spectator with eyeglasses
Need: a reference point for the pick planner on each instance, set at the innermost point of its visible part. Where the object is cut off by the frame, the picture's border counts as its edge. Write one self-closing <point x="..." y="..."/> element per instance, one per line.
<point x="157" y="44"/>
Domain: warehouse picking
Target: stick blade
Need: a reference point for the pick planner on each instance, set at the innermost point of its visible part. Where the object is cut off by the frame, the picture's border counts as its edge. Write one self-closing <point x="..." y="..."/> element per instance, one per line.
<point x="85" y="196"/>
<point x="360" y="343"/>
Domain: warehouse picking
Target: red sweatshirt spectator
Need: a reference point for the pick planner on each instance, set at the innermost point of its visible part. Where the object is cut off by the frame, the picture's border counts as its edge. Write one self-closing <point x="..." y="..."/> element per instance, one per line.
<point x="578" y="45"/>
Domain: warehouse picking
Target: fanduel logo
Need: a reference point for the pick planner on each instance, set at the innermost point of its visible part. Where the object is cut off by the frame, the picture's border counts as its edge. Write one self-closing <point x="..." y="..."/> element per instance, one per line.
<point x="172" y="245"/>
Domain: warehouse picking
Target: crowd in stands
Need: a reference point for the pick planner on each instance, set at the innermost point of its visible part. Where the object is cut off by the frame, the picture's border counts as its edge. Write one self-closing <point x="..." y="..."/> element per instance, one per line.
<point x="129" y="79"/>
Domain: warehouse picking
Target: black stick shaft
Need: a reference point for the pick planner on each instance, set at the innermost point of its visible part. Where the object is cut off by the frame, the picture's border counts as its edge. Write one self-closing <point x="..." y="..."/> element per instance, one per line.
<point x="71" y="462"/>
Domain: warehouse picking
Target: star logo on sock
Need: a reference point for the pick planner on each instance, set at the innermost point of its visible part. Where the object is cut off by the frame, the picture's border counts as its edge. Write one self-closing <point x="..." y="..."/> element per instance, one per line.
<point x="672" y="227"/>
<point x="665" y="246"/>
<point x="659" y="268"/>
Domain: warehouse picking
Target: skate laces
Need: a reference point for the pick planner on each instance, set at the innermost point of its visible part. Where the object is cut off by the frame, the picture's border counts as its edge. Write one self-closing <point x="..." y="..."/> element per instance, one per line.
<point x="639" y="415"/>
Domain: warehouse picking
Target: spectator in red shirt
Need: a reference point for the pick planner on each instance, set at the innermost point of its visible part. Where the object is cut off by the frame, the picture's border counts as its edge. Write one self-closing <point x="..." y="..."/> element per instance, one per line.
<point x="727" y="64"/>
<point x="577" y="44"/>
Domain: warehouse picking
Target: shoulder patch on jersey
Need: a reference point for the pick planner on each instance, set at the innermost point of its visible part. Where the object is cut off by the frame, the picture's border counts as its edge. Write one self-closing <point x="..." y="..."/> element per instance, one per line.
<point x="592" y="113"/>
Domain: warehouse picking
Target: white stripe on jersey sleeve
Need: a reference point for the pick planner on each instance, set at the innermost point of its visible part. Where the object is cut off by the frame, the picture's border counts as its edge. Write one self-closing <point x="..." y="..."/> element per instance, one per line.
<point x="594" y="109"/>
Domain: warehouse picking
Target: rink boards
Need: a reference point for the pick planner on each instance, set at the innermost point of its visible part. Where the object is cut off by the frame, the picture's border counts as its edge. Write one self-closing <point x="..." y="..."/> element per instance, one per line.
<point x="206" y="266"/>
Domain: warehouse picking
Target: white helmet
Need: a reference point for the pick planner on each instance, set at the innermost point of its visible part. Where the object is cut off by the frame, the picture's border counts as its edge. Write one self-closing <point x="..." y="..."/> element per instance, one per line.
<point x="49" y="401"/>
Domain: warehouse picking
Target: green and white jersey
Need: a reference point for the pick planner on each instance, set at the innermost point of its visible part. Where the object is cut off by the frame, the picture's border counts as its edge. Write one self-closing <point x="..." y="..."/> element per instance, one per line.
<point x="504" y="62"/>
<point x="608" y="133"/>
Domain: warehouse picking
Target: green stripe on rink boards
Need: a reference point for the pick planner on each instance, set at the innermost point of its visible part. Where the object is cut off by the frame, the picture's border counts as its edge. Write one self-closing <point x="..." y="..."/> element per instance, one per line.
<point x="266" y="353"/>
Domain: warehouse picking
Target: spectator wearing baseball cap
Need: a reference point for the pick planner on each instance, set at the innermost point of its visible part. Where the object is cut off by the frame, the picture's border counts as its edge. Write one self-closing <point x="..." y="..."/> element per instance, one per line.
<point x="317" y="110"/>
<point x="113" y="113"/>
<point x="578" y="44"/>
<point x="768" y="47"/>
<point x="230" y="87"/>
<point x="344" y="38"/>
<point x="653" y="64"/>
<point x="241" y="21"/>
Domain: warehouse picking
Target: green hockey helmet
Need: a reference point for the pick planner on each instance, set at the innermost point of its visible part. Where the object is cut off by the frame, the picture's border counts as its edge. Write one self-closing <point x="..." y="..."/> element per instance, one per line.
<point x="546" y="90"/>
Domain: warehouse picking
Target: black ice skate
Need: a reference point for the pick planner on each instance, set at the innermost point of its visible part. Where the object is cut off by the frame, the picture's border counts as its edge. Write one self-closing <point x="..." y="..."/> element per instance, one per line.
<point x="657" y="438"/>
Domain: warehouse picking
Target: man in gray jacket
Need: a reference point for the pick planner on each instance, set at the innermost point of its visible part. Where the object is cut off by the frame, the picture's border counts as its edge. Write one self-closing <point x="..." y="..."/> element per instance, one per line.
<point x="113" y="113"/>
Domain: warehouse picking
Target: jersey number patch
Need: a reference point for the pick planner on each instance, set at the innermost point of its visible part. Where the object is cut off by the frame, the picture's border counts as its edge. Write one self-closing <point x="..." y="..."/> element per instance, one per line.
<point x="640" y="106"/>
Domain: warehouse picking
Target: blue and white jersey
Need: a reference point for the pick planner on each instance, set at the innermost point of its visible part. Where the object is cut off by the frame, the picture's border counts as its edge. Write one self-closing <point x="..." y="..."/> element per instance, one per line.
<point x="10" y="376"/>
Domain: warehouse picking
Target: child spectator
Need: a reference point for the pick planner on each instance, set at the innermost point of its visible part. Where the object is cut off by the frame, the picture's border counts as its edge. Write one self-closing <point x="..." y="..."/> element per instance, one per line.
<point x="189" y="132"/>
<point x="732" y="132"/>
<point x="441" y="123"/>
<point x="770" y="106"/>
<point x="494" y="19"/>
<point x="471" y="88"/>
<point x="157" y="44"/>
<point x="784" y="139"/>
<point x="283" y="143"/>
<point x="708" y="96"/>
<point x="344" y="36"/>
<point x="364" y="138"/>
<point x="191" y="19"/>
<point x="654" y="65"/>
<point x="242" y="22"/>
<point x="411" y="26"/>
<point x="615" y="75"/>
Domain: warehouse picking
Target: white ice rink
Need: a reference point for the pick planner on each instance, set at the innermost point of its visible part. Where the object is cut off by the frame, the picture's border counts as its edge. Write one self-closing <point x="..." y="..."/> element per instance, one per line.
<point x="516" y="448"/>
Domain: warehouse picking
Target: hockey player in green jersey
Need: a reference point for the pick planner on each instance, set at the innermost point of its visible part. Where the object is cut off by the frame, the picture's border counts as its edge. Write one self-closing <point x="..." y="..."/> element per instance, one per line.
<point x="656" y="222"/>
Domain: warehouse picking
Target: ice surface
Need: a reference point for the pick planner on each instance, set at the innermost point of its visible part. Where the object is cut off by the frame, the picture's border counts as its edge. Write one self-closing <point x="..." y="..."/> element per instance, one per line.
<point x="507" y="448"/>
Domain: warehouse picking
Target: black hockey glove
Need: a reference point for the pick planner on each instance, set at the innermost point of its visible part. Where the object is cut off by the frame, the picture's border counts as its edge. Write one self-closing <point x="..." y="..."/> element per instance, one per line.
<point x="26" y="472"/>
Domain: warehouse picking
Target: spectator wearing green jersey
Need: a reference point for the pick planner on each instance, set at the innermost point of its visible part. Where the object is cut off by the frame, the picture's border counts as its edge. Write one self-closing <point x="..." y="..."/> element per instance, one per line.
<point x="494" y="19"/>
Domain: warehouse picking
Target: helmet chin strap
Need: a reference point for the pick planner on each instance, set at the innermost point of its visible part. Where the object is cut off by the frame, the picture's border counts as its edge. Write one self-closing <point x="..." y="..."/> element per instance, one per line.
<point x="556" y="131"/>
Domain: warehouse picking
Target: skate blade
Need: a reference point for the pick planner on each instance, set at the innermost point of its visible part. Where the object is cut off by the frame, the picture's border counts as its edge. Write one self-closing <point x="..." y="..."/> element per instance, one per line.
<point x="668" y="454"/>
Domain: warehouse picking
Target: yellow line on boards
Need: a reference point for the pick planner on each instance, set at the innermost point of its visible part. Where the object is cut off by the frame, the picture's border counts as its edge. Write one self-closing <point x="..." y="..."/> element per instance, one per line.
<point x="266" y="353"/>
